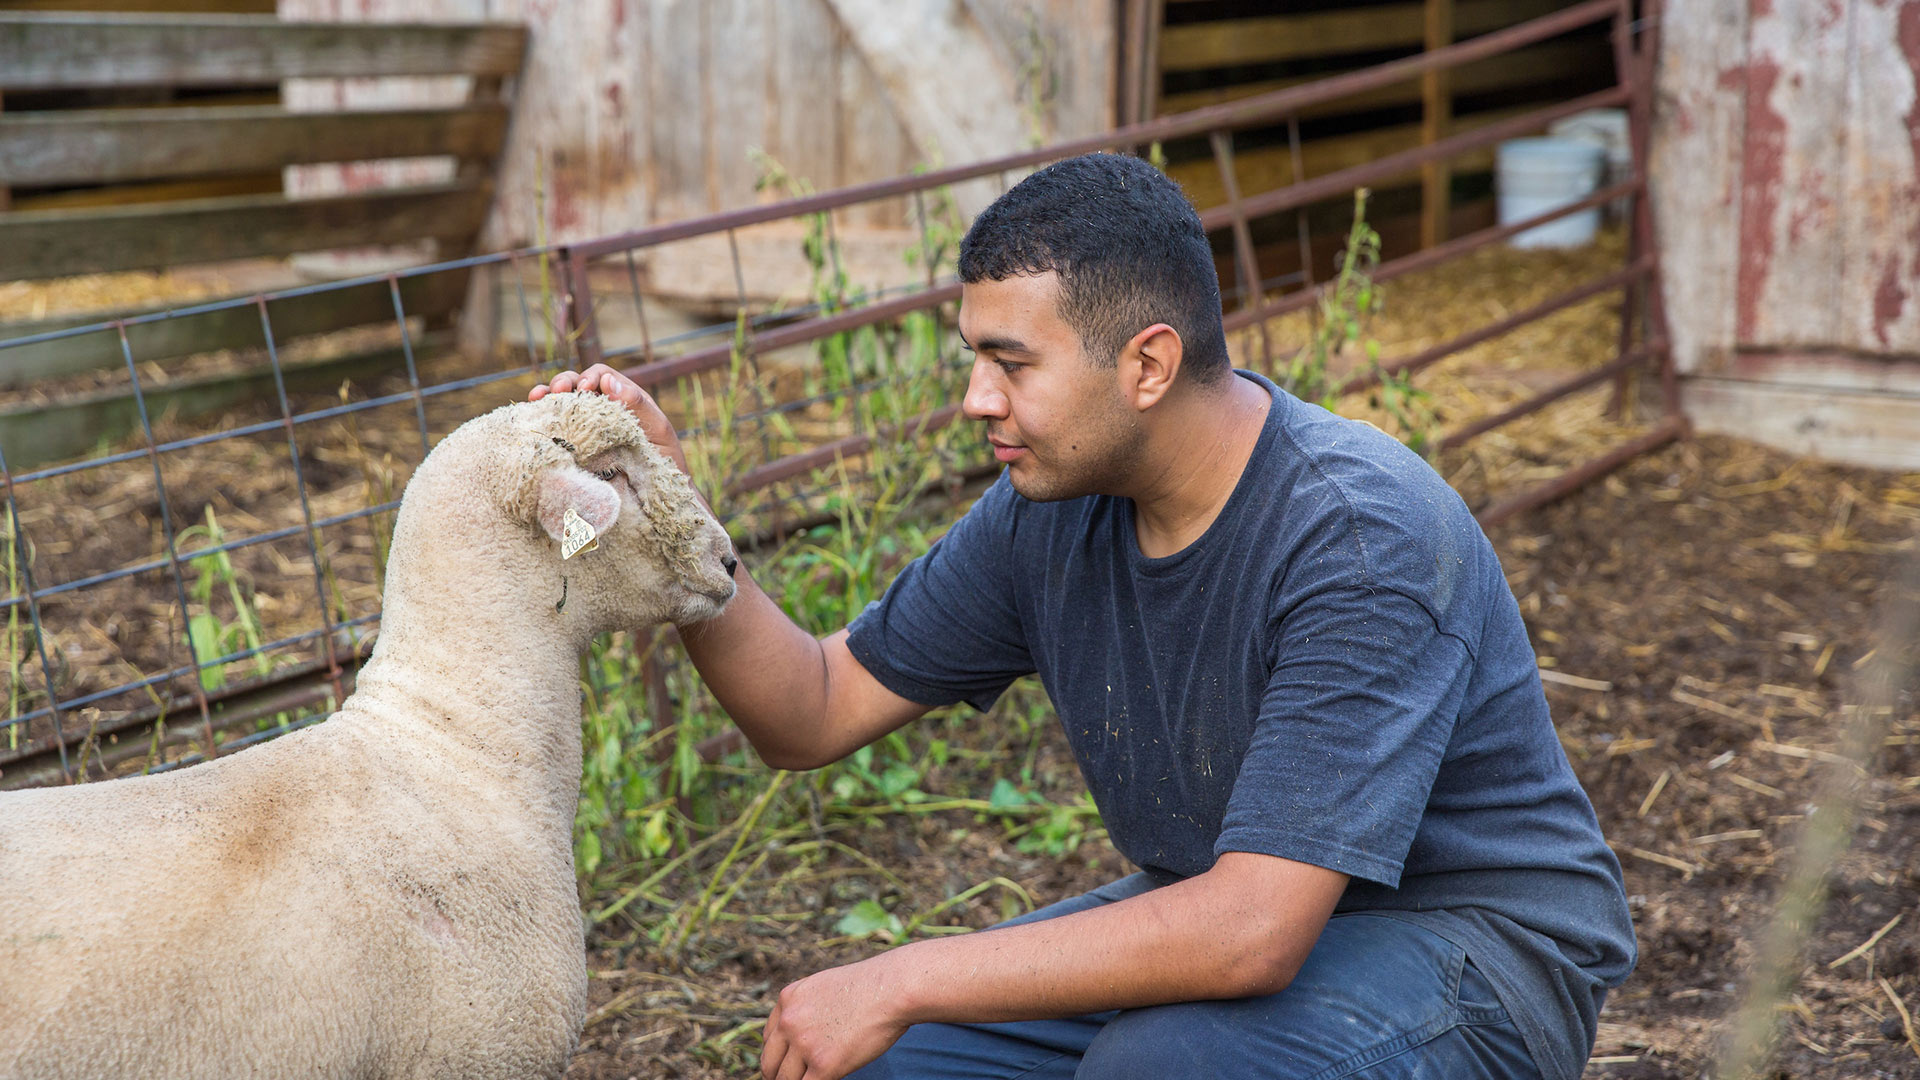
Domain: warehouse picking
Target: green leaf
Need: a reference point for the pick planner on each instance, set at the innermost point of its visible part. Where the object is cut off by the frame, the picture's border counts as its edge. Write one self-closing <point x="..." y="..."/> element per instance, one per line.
<point x="846" y="786"/>
<point x="868" y="918"/>
<point x="898" y="779"/>
<point x="1007" y="797"/>
<point x="205" y="632"/>
<point x="656" y="837"/>
<point x="589" y="852"/>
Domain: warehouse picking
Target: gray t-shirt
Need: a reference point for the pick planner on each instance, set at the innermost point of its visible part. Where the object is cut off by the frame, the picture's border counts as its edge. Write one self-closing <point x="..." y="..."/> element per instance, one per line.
<point x="1335" y="672"/>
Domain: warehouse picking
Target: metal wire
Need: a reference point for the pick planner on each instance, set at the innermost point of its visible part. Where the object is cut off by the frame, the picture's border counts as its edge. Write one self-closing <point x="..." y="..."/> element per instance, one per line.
<point x="166" y="528"/>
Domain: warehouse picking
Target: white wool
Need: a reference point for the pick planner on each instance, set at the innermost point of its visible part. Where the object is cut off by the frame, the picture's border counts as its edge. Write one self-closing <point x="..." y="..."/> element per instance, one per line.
<point x="390" y="893"/>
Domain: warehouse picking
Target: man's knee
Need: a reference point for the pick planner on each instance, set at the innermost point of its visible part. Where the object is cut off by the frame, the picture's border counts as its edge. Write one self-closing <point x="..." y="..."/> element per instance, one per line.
<point x="1158" y="1042"/>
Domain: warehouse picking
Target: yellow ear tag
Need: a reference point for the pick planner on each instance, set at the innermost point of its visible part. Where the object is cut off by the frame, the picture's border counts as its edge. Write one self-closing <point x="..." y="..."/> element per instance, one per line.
<point x="576" y="535"/>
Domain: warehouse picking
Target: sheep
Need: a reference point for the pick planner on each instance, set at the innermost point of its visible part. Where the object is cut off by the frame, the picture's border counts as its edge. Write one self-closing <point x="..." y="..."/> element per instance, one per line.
<point x="390" y="893"/>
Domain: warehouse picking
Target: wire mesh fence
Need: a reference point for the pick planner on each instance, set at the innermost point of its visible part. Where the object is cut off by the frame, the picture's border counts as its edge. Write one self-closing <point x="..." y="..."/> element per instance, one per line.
<point x="194" y="539"/>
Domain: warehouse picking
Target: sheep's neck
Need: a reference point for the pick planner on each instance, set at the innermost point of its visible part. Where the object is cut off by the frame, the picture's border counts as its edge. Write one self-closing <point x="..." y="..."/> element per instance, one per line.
<point x="466" y="655"/>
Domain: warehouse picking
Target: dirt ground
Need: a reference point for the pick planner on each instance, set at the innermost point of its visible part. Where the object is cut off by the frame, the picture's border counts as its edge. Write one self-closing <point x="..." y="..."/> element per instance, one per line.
<point x="1707" y="606"/>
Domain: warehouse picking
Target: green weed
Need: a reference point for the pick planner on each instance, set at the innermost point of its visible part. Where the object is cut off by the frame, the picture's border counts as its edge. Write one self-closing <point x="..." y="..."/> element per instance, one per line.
<point x="1348" y="304"/>
<point x="210" y="635"/>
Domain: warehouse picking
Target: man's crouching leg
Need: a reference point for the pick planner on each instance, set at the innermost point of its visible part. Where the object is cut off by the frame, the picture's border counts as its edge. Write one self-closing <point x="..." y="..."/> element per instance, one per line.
<point x="1378" y="999"/>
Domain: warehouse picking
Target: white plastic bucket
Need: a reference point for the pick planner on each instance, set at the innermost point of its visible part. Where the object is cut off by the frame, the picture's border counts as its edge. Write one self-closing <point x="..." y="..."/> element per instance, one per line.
<point x="1608" y="129"/>
<point x="1534" y="176"/>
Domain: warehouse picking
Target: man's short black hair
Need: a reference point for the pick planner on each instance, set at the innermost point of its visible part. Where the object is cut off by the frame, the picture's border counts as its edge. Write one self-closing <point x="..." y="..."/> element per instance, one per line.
<point x="1128" y="247"/>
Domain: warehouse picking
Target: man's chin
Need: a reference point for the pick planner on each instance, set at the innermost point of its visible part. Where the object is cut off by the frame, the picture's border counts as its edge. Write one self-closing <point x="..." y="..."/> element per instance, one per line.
<point x="1039" y="488"/>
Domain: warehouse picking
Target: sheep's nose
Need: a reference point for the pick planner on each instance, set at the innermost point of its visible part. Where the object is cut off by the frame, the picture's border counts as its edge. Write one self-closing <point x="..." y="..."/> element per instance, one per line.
<point x="729" y="562"/>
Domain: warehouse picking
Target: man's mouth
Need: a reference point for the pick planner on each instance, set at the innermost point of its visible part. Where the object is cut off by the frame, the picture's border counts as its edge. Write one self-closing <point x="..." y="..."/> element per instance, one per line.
<point x="1005" y="453"/>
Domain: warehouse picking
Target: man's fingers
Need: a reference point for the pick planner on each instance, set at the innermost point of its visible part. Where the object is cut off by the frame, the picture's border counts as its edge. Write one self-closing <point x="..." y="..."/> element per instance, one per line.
<point x="595" y="379"/>
<point x="774" y="1047"/>
<point x="559" y="384"/>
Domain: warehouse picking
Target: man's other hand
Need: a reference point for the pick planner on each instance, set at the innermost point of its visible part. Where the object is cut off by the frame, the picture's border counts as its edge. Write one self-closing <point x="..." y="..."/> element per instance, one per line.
<point x="602" y="379"/>
<point x="833" y="1022"/>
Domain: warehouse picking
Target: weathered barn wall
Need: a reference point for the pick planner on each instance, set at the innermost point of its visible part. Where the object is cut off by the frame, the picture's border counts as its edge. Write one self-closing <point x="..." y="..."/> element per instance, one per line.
<point x="636" y="111"/>
<point x="1786" y="171"/>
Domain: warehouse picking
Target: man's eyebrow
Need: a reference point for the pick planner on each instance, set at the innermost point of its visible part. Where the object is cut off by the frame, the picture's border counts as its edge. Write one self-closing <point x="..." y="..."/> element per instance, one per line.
<point x="995" y="344"/>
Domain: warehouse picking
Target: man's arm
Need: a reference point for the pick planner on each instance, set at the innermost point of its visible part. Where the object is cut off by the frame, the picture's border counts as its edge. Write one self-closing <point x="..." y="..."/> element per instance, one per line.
<point x="1241" y="929"/>
<point x="802" y="702"/>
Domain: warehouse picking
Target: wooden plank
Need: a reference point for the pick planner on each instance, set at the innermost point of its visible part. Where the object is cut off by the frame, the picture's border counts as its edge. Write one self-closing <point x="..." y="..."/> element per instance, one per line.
<point x="111" y="145"/>
<point x="165" y="191"/>
<point x="1541" y="63"/>
<point x="429" y="296"/>
<point x="1695" y="174"/>
<point x="32" y="435"/>
<point x="1267" y="168"/>
<point x="1879" y="217"/>
<point x="1436" y="120"/>
<point x="43" y="52"/>
<point x="742" y="33"/>
<point x="51" y="243"/>
<point x="228" y="7"/>
<point x="1875" y="429"/>
<point x="806" y="62"/>
<point x="679" y="122"/>
<point x="1793" y="161"/>
<point x="1269" y="38"/>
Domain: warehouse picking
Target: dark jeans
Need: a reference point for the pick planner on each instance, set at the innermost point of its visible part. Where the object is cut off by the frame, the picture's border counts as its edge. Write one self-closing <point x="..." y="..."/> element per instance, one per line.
<point x="1378" y="999"/>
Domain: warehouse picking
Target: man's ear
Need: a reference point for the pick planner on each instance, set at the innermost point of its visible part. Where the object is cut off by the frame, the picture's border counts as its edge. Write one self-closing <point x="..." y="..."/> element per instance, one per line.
<point x="568" y="487"/>
<point x="1152" y="361"/>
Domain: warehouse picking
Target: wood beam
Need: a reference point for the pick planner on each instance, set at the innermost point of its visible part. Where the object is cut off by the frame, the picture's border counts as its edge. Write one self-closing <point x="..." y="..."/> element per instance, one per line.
<point x="52" y="243"/>
<point x="112" y="145"/>
<point x="60" y="51"/>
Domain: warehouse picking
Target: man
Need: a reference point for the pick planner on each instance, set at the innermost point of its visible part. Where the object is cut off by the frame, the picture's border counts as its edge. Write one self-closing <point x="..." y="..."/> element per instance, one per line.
<point x="1289" y="666"/>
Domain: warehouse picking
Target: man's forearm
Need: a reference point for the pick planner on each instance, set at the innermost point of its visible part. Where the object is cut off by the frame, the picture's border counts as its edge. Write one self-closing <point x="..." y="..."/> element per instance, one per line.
<point x="1184" y="942"/>
<point x="1241" y="929"/>
<point x="767" y="672"/>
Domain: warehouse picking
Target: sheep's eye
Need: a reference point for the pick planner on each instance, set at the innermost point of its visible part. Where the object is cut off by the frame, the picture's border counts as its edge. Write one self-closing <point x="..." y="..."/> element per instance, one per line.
<point x="607" y="473"/>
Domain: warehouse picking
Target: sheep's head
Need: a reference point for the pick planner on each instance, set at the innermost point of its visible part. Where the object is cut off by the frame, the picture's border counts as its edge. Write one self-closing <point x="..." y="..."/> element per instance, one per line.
<point x="656" y="553"/>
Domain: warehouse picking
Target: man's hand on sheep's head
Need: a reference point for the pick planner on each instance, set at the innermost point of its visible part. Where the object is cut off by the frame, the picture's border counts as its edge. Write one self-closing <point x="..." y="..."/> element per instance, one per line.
<point x="602" y="379"/>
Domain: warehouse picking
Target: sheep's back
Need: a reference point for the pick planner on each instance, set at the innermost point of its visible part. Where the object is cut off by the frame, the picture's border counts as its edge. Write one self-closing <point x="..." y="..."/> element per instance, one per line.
<point x="247" y="906"/>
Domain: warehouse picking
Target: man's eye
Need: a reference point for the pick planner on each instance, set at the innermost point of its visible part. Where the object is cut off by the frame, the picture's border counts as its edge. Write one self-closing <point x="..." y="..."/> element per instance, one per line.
<point x="1006" y="366"/>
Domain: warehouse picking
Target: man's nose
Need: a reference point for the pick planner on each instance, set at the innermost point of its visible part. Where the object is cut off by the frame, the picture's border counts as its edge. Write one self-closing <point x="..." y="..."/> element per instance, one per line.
<point x="984" y="401"/>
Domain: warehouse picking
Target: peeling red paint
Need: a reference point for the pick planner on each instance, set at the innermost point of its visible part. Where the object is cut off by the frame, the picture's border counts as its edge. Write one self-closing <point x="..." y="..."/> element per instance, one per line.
<point x="565" y="203"/>
<point x="1761" y="170"/>
<point x="1909" y="34"/>
<point x="1889" y="300"/>
<point x="1811" y="206"/>
<point x="619" y="15"/>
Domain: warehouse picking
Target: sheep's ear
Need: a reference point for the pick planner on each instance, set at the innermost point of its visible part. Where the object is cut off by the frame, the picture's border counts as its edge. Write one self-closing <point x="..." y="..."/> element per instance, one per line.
<point x="569" y="488"/>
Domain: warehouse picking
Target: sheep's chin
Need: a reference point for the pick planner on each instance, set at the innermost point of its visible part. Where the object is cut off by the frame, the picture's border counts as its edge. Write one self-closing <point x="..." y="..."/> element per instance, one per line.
<point x="697" y="608"/>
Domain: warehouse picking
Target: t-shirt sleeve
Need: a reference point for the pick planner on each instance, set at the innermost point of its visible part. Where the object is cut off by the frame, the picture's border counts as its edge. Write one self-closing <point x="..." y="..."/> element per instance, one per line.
<point x="948" y="629"/>
<point x="1353" y="724"/>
